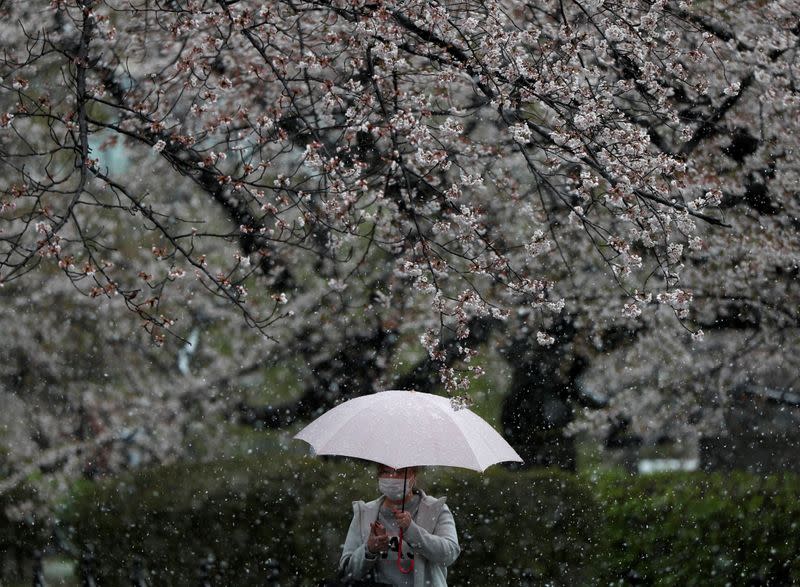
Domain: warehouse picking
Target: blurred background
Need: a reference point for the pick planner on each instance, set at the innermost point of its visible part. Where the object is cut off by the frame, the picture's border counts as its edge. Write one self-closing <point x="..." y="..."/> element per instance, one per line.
<point x="219" y="220"/>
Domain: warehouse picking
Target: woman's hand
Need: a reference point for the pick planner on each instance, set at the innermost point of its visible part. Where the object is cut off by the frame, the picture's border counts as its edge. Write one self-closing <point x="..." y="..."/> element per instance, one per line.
<point x="403" y="519"/>
<point x="378" y="540"/>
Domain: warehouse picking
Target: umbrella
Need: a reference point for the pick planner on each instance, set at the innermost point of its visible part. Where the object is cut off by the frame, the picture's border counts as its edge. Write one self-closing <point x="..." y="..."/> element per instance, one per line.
<point x="401" y="429"/>
<point x="408" y="428"/>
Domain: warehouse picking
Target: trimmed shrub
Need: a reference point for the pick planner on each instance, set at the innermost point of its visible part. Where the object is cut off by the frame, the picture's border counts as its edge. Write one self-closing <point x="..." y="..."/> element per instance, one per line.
<point x="523" y="527"/>
<point x="534" y="525"/>
<point x="22" y="530"/>
<point x="239" y="515"/>
<point x="322" y="523"/>
<point x="699" y="529"/>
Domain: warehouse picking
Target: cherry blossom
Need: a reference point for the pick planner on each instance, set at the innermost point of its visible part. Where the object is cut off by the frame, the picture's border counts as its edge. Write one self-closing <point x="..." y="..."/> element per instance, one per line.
<point x="401" y="175"/>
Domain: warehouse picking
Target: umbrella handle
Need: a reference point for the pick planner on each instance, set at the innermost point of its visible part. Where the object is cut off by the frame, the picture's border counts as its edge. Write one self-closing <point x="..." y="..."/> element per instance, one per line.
<point x="400" y="546"/>
<point x="400" y="555"/>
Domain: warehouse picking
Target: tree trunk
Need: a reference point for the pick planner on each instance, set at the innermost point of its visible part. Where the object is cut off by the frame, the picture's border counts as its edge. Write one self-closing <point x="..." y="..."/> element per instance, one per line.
<point x="535" y="413"/>
<point x="538" y="406"/>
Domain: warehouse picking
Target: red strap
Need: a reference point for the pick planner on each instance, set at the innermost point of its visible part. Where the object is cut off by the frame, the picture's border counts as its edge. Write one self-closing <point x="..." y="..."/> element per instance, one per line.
<point x="400" y="555"/>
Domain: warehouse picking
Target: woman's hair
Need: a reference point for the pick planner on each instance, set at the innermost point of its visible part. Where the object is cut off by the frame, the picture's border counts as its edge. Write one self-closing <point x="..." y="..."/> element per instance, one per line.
<point x="381" y="467"/>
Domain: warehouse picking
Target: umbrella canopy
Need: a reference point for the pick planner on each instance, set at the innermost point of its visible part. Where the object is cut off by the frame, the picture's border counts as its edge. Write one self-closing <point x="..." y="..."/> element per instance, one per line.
<point x="408" y="428"/>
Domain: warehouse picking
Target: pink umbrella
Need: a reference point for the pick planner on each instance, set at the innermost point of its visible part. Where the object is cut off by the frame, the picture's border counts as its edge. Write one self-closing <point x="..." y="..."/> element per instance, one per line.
<point x="402" y="429"/>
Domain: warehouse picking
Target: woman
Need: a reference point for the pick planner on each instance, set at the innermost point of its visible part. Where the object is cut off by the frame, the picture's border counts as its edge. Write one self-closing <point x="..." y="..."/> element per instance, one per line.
<point x="403" y="539"/>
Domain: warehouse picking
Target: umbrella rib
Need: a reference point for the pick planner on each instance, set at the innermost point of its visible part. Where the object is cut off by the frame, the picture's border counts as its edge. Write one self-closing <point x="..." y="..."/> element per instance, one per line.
<point x="489" y="449"/>
<point x="460" y="431"/>
<point x="332" y="436"/>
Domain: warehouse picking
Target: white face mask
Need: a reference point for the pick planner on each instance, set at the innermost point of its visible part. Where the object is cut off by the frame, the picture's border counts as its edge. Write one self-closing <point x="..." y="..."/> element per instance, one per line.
<point x="393" y="488"/>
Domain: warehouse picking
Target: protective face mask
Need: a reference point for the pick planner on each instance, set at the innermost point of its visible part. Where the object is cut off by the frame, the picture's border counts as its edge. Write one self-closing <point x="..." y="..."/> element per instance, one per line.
<point x="393" y="488"/>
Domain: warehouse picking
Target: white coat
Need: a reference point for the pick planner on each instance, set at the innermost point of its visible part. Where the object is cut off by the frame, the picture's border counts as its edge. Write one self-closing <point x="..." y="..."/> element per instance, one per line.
<point x="432" y="536"/>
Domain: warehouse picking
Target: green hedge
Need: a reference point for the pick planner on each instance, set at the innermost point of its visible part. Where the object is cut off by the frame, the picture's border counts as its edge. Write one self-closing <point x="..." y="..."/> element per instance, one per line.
<point x="22" y="530"/>
<point x="537" y="523"/>
<point x="240" y="513"/>
<point x="555" y="528"/>
<point x="700" y="529"/>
